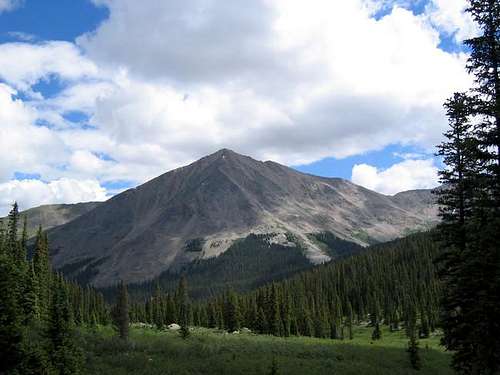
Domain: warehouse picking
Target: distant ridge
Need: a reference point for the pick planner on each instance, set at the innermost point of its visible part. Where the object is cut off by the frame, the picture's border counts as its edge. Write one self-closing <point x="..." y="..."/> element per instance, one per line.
<point x="51" y="215"/>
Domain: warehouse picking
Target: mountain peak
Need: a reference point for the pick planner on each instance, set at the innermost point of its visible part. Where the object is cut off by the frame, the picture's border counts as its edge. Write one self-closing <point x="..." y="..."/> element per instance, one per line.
<point x="215" y="201"/>
<point x="224" y="153"/>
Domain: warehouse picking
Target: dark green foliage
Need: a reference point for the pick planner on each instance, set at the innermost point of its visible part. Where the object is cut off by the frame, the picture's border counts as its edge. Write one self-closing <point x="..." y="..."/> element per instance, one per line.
<point x="196" y="245"/>
<point x="336" y="247"/>
<point x="10" y="316"/>
<point x="37" y="332"/>
<point x="120" y="313"/>
<point x="274" y="369"/>
<point x="387" y="280"/>
<point x="413" y="349"/>
<point x="470" y="201"/>
<point x="377" y="334"/>
<point x="232" y="315"/>
<point x="184" y="308"/>
<point x="65" y="356"/>
<point x="413" y="353"/>
<point x="246" y="265"/>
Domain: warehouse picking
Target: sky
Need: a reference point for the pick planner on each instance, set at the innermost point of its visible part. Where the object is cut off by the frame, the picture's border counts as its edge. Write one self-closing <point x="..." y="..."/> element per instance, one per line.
<point x="99" y="96"/>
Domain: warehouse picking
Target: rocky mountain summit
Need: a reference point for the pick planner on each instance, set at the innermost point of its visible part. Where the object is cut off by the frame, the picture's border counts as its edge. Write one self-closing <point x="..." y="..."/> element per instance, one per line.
<point x="199" y="210"/>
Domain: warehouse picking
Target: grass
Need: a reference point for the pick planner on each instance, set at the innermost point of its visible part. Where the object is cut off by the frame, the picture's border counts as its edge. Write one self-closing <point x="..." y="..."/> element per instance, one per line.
<point x="210" y="352"/>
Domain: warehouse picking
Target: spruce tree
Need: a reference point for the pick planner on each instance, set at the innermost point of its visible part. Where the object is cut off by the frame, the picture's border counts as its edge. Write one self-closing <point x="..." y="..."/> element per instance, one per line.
<point x="471" y="206"/>
<point x="274" y="321"/>
<point x="65" y="355"/>
<point x="413" y="350"/>
<point x="10" y="316"/>
<point x="43" y="273"/>
<point x="232" y="312"/>
<point x="376" y="334"/>
<point x="349" y="320"/>
<point x="184" y="307"/>
<point x="120" y="313"/>
<point x="413" y="353"/>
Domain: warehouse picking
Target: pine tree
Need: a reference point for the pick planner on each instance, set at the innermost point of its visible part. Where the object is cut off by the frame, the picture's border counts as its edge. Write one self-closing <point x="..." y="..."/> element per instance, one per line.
<point x="471" y="206"/>
<point x="157" y="307"/>
<point x="184" y="307"/>
<point x="413" y="353"/>
<point x="65" y="355"/>
<point x="349" y="320"/>
<point x="376" y="334"/>
<point x="43" y="272"/>
<point x="13" y="247"/>
<point x="413" y="350"/>
<point x="274" y="321"/>
<point x="30" y="296"/>
<point x="120" y="313"/>
<point x="232" y="312"/>
<point x="10" y="316"/>
<point x="261" y="325"/>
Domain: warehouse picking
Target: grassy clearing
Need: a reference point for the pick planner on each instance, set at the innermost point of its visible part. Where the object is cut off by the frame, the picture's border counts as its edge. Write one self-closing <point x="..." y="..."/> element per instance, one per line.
<point x="210" y="352"/>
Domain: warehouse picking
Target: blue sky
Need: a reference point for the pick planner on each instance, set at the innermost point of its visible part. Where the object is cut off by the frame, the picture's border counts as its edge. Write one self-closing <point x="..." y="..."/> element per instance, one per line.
<point x="117" y="93"/>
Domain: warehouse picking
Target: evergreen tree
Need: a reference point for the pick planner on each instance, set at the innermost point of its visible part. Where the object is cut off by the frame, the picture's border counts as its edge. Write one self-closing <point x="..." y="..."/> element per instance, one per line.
<point x="43" y="272"/>
<point x="376" y="334"/>
<point x="184" y="307"/>
<point x="157" y="307"/>
<point x="261" y="325"/>
<point x="274" y="321"/>
<point x="413" y="353"/>
<point x="13" y="247"/>
<point x="413" y="350"/>
<point x="120" y="313"/>
<point x="470" y="200"/>
<point x="232" y="312"/>
<point x="10" y="316"/>
<point x="349" y="320"/>
<point x="30" y="296"/>
<point x="66" y="357"/>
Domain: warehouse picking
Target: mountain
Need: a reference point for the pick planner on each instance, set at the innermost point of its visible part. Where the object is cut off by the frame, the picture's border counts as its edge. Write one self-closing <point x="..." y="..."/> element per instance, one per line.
<point x="52" y="215"/>
<point x="200" y="210"/>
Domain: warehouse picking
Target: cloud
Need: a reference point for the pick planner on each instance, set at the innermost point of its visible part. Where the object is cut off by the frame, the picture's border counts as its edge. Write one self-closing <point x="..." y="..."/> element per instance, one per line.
<point x="9" y="5"/>
<point x="24" y="64"/>
<point x="450" y="17"/>
<point x="30" y="193"/>
<point x="22" y="36"/>
<point x="26" y="147"/>
<point x="189" y="40"/>
<point x="290" y="87"/>
<point x="159" y="84"/>
<point x="406" y="175"/>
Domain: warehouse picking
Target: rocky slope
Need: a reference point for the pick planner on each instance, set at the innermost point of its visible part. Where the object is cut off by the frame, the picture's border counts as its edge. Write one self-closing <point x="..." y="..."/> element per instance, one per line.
<point x="51" y="215"/>
<point x="201" y="209"/>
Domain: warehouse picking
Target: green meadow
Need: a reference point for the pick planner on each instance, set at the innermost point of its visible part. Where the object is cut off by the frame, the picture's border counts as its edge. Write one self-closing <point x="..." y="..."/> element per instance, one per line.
<point x="206" y="351"/>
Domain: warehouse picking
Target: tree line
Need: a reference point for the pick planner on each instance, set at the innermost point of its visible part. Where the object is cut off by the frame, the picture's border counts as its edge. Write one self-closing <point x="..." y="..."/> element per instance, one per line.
<point x="394" y="284"/>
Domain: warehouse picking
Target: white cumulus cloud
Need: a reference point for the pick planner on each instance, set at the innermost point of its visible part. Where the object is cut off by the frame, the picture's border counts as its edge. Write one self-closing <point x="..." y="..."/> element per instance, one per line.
<point x="30" y="193"/>
<point x="159" y="84"/>
<point x="24" y="64"/>
<point x="406" y="175"/>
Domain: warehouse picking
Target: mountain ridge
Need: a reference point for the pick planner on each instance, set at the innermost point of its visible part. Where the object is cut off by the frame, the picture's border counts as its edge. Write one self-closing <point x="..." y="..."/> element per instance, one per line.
<point x="218" y="199"/>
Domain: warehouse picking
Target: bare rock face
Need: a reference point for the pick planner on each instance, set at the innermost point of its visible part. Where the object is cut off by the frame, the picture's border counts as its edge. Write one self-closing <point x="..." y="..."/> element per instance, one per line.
<point x="200" y="210"/>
